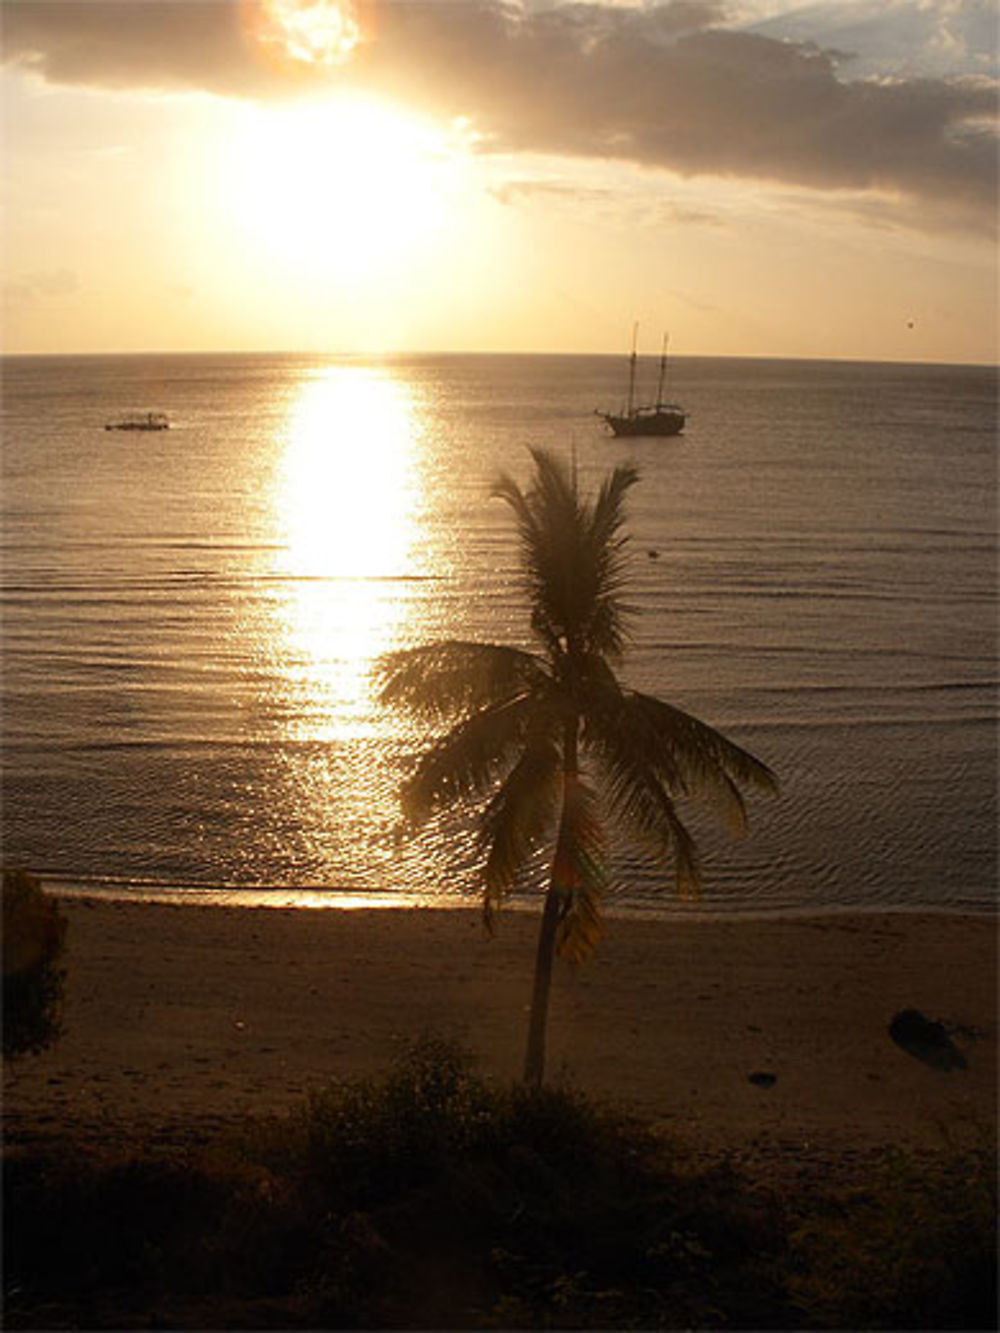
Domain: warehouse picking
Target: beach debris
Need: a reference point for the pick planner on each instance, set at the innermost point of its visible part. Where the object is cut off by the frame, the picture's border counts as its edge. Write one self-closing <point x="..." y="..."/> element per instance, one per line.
<point x="762" y="1078"/>
<point x="926" y="1040"/>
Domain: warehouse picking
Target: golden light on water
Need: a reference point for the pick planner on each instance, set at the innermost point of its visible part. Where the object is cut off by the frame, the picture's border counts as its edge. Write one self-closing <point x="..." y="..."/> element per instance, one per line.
<point x="305" y="32"/>
<point x="347" y="503"/>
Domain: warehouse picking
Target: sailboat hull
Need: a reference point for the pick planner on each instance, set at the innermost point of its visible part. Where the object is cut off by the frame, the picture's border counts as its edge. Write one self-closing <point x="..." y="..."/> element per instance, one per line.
<point x="658" y="421"/>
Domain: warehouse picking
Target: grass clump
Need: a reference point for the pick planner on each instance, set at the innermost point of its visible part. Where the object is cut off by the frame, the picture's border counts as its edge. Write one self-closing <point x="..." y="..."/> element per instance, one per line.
<point x="432" y="1198"/>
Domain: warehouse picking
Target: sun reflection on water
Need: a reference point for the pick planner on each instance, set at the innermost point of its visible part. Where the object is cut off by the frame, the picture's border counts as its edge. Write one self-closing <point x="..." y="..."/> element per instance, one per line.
<point x="348" y="500"/>
<point x="354" y="572"/>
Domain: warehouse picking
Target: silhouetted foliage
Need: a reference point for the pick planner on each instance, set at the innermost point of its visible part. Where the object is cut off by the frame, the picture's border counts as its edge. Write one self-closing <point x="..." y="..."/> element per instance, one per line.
<point x="432" y="1198"/>
<point x="34" y="930"/>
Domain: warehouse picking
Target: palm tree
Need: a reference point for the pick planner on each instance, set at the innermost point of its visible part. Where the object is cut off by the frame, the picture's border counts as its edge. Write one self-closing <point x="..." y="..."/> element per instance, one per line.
<point x="520" y="724"/>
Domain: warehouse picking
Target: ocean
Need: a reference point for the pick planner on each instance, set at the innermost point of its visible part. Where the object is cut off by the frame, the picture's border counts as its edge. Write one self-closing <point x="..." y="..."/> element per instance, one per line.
<point x="190" y="617"/>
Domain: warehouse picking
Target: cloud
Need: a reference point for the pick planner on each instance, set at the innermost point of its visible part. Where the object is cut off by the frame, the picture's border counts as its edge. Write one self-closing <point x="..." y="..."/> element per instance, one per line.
<point x="907" y="38"/>
<point x="648" y="88"/>
<point x="620" y="203"/>
<point x="663" y="86"/>
<point x="150" y="44"/>
<point x="560" y="191"/>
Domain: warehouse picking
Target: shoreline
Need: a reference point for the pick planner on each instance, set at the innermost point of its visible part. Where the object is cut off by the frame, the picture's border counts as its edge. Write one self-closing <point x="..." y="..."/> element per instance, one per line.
<point x="336" y="899"/>
<point x="179" y="1024"/>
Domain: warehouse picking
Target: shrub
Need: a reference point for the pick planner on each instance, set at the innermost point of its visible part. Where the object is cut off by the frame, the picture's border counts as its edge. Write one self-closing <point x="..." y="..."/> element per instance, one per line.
<point x="916" y="1248"/>
<point x="446" y="1198"/>
<point x="432" y="1198"/>
<point x="34" y="931"/>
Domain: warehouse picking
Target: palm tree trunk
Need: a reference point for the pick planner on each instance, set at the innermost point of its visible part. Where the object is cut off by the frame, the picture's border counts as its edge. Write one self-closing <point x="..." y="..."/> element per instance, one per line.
<point x="534" y="1063"/>
<point x="555" y="900"/>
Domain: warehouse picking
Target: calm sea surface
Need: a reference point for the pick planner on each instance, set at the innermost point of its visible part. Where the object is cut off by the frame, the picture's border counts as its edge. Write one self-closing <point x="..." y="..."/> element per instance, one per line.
<point x="190" y="617"/>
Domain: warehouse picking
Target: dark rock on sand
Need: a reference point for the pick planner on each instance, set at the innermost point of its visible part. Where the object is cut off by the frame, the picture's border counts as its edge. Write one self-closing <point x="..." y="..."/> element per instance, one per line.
<point x="763" y="1079"/>
<point x="925" y="1040"/>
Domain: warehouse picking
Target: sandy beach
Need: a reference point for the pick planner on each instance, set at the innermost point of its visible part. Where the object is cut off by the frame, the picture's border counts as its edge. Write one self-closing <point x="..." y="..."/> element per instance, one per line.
<point x="180" y="1020"/>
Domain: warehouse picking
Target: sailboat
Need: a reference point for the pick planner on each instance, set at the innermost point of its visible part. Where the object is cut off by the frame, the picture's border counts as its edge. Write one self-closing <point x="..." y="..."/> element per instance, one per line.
<point x="657" y="418"/>
<point x="141" y="421"/>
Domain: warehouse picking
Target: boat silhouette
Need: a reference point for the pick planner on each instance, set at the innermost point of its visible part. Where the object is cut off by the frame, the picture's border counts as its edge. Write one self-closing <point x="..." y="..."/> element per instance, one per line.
<point x="657" y="418"/>
<point x="141" y="421"/>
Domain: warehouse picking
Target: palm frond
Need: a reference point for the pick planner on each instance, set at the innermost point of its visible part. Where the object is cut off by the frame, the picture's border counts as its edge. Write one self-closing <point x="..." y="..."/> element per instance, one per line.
<point x="650" y="753"/>
<point x="698" y="759"/>
<point x="573" y="556"/>
<point x="607" y="550"/>
<point x="640" y="801"/>
<point x="609" y="513"/>
<point x="548" y="522"/>
<point x="519" y="817"/>
<point x="466" y="762"/>
<point x="627" y="734"/>
<point x="579" y="872"/>
<point x="452" y="677"/>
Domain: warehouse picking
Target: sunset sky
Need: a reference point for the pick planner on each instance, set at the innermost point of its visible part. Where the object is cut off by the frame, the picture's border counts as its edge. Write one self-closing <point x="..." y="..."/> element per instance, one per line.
<point x="761" y="178"/>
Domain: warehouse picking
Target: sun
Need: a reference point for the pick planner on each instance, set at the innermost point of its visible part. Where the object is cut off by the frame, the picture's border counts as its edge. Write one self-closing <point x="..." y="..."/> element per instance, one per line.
<point x="314" y="33"/>
<point x="346" y="187"/>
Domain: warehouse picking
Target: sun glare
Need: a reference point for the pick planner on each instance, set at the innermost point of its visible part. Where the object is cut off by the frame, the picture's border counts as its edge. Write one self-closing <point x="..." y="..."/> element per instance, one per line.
<point x="346" y="188"/>
<point x="304" y="32"/>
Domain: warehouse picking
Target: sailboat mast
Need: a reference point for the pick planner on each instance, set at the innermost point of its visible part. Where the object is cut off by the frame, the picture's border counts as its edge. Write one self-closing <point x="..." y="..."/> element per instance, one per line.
<point x="663" y="372"/>
<point x="631" y="369"/>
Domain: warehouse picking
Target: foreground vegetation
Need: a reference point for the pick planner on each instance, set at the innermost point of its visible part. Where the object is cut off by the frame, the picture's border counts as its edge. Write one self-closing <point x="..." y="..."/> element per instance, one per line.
<point x="34" y="933"/>
<point x="432" y="1198"/>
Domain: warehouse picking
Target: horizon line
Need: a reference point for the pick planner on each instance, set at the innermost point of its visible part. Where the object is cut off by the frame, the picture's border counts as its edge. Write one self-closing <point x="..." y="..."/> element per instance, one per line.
<point x="389" y="354"/>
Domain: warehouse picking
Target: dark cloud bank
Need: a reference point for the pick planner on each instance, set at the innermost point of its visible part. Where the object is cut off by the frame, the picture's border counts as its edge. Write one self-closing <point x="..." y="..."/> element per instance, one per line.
<point x="660" y="86"/>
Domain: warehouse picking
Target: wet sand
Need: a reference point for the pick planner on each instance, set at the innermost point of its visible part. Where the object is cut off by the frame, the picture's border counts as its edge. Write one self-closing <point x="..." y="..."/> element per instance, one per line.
<point x="180" y="1020"/>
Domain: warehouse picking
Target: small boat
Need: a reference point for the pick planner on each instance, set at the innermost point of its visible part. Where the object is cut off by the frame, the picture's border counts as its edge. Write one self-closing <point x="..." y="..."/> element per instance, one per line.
<point x="141" y="421"/>
<point x="657" y="418"/>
